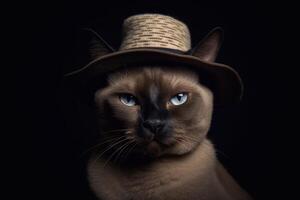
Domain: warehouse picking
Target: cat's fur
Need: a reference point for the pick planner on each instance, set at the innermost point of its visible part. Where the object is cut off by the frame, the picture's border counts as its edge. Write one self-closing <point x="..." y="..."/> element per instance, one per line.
<point x="179" y="162"/>
<point x="182" y="165"/>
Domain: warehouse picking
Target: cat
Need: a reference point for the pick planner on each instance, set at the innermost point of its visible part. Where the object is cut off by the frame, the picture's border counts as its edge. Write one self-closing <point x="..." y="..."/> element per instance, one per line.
<point x="152" y="124"/>
<point x="157" y="119"/>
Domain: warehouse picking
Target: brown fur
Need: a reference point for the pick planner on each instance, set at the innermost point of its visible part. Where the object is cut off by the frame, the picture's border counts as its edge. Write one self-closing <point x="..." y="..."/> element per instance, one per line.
<point x="183" y="165"/>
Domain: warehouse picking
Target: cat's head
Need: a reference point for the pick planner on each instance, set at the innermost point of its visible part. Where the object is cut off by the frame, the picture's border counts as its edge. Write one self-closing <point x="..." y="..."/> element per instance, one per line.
<point x="154" y="110"/>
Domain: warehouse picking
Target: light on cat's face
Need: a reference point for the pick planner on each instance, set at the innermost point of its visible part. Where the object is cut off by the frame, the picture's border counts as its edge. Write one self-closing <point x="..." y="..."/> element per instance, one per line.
<point x="161" y="111"/>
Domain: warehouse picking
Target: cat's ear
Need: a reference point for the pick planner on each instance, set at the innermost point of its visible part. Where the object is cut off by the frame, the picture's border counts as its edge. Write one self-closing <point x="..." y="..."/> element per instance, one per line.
<point x="208" y="48"/>
<point x="98" y="47"/>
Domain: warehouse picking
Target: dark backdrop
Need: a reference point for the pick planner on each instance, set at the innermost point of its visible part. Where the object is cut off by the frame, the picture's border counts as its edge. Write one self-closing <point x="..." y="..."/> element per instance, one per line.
<point x="46" y="46"/>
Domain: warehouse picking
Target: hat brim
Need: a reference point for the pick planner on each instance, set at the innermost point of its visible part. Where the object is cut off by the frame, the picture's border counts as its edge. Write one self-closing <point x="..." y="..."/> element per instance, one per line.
<point x="223" y="80"/>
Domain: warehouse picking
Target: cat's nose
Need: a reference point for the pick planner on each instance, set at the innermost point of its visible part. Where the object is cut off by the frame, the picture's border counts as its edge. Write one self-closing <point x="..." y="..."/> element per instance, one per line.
<point x="154" y="125"/>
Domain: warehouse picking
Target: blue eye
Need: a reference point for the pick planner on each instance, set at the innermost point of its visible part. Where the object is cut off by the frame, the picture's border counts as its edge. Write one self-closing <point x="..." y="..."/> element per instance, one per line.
<point x="128" y="99"/>
<point x="179" y="99"/>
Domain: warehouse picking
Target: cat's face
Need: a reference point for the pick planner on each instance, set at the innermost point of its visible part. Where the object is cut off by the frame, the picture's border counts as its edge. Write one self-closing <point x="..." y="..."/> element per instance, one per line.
<point x="153" y="110"/>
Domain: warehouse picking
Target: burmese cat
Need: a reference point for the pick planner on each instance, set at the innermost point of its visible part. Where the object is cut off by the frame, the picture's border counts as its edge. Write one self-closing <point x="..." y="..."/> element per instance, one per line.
<point x="153" y="121"/>
<point x="161" y="116"/>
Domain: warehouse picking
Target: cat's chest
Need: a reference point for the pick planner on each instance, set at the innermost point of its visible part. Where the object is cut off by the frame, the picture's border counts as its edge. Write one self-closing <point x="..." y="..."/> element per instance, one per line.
<point x="164" y="180"/>
<point x="149" y="181"/>
<point x="144" y="183"/>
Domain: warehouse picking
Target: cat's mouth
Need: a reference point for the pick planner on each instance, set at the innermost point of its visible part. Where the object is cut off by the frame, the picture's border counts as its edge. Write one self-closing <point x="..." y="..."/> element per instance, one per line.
<point x="153" y="149"/>
<point x="156" y="147"/>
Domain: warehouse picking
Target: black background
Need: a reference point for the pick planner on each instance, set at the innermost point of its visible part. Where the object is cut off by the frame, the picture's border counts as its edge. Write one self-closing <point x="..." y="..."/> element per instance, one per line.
<point x="45" y="39"/>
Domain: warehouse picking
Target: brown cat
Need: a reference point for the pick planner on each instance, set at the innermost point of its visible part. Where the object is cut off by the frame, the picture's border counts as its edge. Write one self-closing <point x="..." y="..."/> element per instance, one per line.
<point x="154" y="122"/>
<point x="153" y="119"/>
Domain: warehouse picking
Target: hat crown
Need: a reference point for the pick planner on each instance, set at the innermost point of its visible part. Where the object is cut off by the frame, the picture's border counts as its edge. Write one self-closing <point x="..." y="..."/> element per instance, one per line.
<point x="155" y="31"/>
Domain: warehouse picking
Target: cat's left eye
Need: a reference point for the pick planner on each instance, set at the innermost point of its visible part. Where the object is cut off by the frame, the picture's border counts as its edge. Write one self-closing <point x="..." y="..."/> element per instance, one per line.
<point x="128" y="99"/>
<point x="179" y="99"/>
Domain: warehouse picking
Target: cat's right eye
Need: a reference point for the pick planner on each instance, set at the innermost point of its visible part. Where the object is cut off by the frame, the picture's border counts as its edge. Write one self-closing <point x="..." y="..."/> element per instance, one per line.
<point x="128" y="99"/>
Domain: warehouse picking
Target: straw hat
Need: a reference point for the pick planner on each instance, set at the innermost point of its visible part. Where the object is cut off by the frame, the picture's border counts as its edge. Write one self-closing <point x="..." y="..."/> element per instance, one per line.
<point x="160" y="39"/>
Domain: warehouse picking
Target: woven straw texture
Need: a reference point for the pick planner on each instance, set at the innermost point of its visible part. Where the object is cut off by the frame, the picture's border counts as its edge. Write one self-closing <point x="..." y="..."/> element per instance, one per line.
<point x="155" y="30"/>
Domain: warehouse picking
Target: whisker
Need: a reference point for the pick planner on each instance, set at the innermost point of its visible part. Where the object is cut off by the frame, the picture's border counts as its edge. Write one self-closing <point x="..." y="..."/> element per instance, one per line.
<point x="189" y="138"/>
<point x="130" y="150"/>
<point x="192" y="137"/>
<point x="117" y="130"/>
<point x="182" y="142"/>
<point x="116" y="151"/>
<point x="110" y="139"/>
<point x="110" y="147"/>
<point x="122" y="150"/>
